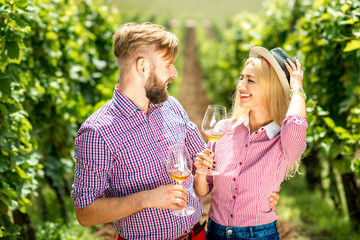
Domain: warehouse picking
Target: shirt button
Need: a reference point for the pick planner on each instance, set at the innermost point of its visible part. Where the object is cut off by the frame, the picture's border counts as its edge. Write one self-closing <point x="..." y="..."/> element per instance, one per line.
<point x="262" y="129"/>
<point x="256" y="132"/>
<point x="234" y="179"/>
<point x="297" y="121"/>
<point x="231" y="215"/>
<point x="246" y="145"/>
<point x="229" y="232"/>
<point x="240" y="163"/>
<point x="234" y="197"/>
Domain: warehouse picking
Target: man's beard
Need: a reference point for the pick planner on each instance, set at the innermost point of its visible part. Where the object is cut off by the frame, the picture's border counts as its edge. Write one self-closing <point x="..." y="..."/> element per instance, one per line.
<point x="155" y="89"/>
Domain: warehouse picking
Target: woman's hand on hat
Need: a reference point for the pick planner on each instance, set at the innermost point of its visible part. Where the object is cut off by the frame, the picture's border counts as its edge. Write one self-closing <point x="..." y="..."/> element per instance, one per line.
<point x="296" y="74"/>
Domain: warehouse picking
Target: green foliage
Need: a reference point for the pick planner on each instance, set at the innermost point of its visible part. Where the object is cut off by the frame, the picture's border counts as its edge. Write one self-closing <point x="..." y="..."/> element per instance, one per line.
<point x="57" y="67"/>
<point x="313" y="215"/>
<point x="56" y="63"/>
<point x="54" y="227"/>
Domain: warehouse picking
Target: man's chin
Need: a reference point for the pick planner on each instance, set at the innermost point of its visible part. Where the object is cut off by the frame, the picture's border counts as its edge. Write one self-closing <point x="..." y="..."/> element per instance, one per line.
<point x="158" y="100"/>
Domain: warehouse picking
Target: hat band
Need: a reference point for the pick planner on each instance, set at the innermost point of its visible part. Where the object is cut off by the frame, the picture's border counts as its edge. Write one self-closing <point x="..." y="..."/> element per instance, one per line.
<point x="266" y="61"/>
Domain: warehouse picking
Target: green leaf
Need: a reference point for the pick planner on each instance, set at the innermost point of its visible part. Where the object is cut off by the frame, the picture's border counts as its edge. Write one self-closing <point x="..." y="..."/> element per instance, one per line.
<point x="350" y="21"/>
<point x="4" y="164"/>
<point x="352" y="45"/>
<point x="21" y="172"/>
<point x="344" y="8"/>
<point x="329" y="122"/>
<point x="3" y="110"/>
<point x="22" y="4"/>
<point x="3" y="62"/>
<point x="342" y="133"/>
<point x="12" y="49"/>
<point x="24" y="203"/>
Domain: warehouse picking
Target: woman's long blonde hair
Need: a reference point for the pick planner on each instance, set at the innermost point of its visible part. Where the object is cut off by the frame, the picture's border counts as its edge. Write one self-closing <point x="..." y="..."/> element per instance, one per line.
<point x="277" y="103"/>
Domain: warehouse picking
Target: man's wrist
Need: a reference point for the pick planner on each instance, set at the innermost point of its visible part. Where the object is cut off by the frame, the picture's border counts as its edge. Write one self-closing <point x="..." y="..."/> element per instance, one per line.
<point x="144" y="199"/>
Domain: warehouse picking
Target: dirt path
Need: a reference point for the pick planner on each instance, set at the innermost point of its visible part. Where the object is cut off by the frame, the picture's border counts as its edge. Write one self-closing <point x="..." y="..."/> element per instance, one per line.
<point x="192" y="95"/>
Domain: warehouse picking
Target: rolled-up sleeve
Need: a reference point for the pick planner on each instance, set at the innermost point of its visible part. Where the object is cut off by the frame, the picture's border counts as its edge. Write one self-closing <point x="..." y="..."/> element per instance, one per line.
<point x="293" y="137"/>
<point x="93" y="161"/>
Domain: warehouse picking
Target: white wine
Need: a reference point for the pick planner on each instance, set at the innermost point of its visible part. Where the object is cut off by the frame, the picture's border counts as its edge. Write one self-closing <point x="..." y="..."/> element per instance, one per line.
<point x="179" y="176"/>
<point x="213" y="136"/>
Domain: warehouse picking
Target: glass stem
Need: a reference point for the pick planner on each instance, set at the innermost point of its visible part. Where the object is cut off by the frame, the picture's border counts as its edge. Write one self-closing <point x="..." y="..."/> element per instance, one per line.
<point x="212" y="143"/>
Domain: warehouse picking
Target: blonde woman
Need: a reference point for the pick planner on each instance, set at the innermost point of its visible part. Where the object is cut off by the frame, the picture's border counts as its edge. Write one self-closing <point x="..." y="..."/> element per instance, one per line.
<point x="263" y="144"/>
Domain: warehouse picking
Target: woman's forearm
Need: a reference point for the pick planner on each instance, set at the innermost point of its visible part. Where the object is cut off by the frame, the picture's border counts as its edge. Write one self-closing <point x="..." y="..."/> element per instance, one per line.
<point x="297" y="106"/>
<point x="200" y="185"/>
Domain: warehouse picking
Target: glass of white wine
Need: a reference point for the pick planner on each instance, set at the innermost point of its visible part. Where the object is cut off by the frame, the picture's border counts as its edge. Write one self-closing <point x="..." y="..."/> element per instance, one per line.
<point x="179" y="167"/>
<point x="213" y="130"/>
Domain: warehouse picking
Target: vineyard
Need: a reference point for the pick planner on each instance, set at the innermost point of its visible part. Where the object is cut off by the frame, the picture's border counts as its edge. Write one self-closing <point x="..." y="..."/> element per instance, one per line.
<point x="57" y="67"/>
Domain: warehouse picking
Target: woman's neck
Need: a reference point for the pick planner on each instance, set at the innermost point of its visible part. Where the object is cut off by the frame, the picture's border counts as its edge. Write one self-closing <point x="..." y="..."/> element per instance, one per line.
<point x="258" y="119"/>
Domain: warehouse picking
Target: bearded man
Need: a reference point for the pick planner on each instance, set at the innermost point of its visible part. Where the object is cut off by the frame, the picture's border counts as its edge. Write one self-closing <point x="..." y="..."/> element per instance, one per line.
<point x="120" y="173"/>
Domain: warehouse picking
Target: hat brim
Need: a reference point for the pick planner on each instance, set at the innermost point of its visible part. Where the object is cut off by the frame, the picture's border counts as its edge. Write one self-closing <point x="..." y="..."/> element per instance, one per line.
<point x="263" y="52"/>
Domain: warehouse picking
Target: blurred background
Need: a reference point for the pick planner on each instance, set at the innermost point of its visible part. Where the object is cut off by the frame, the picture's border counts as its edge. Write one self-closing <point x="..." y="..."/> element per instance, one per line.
<point x="198" y="10"/>
<point x="57" y="67"/>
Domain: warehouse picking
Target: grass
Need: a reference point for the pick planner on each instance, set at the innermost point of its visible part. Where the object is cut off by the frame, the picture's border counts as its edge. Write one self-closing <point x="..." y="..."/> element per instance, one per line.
<point x="313" y="215"/>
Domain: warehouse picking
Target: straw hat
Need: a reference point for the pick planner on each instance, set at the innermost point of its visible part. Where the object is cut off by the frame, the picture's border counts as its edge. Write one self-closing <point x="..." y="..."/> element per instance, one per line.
<point x="276" y="57"/>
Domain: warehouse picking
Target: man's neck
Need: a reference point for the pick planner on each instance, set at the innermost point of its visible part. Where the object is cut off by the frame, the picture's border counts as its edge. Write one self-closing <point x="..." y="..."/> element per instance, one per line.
<point x="136" y="94"/>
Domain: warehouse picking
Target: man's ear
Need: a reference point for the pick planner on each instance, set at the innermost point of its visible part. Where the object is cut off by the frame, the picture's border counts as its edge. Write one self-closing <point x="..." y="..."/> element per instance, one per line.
<point x="142" y="67"/>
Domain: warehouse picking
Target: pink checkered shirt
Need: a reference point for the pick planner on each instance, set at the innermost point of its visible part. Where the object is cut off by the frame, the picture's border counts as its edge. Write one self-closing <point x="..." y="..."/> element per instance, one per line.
<point x="119" y="150"/>
<point x="251" y="167"/>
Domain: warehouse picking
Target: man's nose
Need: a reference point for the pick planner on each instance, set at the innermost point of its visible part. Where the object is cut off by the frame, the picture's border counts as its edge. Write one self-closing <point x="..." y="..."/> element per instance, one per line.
<point x="174" y="73"/>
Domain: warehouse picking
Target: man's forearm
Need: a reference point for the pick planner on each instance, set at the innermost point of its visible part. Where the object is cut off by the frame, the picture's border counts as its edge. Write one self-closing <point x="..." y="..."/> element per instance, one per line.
<point x="106" y="210"/>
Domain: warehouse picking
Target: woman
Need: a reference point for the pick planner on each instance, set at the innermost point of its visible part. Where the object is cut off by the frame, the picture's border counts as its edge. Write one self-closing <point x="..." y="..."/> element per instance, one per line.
<point x="264" y="141"/>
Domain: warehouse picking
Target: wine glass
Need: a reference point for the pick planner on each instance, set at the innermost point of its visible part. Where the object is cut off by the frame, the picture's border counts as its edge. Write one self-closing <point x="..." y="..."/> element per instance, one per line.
<point x="213" y="130"/>
<point x="179" y="167"/>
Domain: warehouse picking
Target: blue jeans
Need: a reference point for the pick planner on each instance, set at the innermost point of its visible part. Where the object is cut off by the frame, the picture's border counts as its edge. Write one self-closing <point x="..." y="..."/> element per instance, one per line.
<point x="268" y="231"/>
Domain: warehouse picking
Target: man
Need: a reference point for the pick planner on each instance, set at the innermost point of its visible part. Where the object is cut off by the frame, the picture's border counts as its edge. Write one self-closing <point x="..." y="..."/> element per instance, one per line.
<point x="120" y="173"/>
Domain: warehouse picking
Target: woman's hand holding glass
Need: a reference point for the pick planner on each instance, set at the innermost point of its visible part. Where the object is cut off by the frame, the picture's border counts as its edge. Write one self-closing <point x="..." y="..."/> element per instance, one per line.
<point x="205" y="160"/>
<point x="213" y="129"/>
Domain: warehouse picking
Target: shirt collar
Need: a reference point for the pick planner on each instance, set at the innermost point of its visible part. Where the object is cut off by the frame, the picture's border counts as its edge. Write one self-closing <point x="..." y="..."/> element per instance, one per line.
<point x="127" y="107"/>
<point x="271" y="129"/>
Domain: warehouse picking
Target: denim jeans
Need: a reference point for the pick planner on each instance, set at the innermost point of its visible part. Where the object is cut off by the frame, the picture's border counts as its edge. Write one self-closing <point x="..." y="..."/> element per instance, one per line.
<point x="262" y="232"/>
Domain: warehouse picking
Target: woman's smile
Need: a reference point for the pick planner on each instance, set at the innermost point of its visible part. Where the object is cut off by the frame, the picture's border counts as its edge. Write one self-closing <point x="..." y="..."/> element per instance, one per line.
<point x="245" y="95"/>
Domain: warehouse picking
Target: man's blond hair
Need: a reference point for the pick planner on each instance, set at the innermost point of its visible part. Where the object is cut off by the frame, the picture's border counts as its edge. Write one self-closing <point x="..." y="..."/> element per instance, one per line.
<point x="132" y="36"/>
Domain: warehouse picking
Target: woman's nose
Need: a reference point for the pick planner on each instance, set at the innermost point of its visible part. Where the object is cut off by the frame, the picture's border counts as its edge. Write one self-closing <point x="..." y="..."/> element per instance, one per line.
<point x="241" y="86"/>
